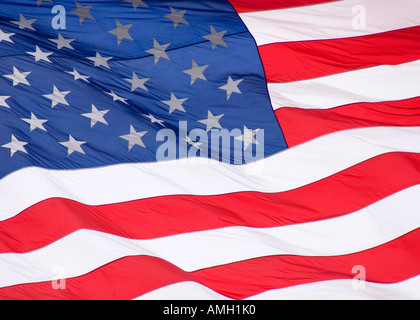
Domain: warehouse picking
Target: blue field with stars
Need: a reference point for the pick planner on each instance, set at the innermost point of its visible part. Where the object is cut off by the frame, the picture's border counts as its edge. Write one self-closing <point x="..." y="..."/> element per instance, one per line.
<point x="97" y="91"/>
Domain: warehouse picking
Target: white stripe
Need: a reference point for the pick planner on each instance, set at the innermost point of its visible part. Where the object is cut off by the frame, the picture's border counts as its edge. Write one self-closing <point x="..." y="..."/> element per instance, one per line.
<point x="375" y="84"/>
<point x="346" y="290"/>
<point x="86" y="250"/>
<point x="326" y="290"/>
<point x="331" y="20"/>
<point x="187" y="290"/>
<point x="293" y="168"/>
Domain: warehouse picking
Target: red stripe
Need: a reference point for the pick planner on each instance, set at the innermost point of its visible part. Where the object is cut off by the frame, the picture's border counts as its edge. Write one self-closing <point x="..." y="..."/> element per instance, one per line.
<point x="293" y="61"/>
<point x="242" y="6"/>
<point x="337" y="195"/>
<point x="301" y="125"/>
<point x="130" y="277"/>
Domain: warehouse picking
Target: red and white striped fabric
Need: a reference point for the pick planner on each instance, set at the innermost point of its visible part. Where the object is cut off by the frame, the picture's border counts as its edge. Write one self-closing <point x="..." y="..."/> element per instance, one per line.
<point x="343" y="199"/>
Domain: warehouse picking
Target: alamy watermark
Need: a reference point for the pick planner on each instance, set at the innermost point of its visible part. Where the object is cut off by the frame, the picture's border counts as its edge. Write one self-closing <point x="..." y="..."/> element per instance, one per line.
<point x="236" y="146"/>
<point x="59" y="278"/>
<point x="359" y="19"/>
<point x="59" y="21"/>
<point x="359" y="280"/>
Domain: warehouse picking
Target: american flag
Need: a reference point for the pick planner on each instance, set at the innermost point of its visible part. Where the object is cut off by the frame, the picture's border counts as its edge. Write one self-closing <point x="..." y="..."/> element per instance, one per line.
<point x="108" y="186"/>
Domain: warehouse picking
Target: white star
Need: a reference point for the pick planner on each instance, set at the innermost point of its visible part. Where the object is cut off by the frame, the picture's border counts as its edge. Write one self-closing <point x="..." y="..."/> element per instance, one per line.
<point x="248" y="137"/>
<point x="73" y="145"/>
<point x="100" y="61"/>
<point x="159" y="51"/>
<point x="212" y="121"/>
<point x="121" y="32"/>
<point x="177" y="17"/>
<point x="175" y="104"/>
<point x="18" y="77"/>
<point x="77" y="75"/>
<point x="216" y="38"/>
<point x="96" y="116"/>
<point x="15" y="145"/>
<point x="40" y="55"/>
<point x="196" y="145"/>
<point x="196" y="72"/>
<point x="154" y="120"/>
<point x="39" y="2"/>
<point x="6" y="36"/>
<point x="35" y="123"/>
<point x="25" y="23"/>
<point x="137" y="83"/>
<point x="231" y="87"/>
<point x="134" y="138"/>
<point x="62" y="42"/>
<point x="3" y="102"/>
<point x="136" y="3"/>
<point x="57" y="97"/>
<point x="82" y="12"/>
<point x="116" y="97"/>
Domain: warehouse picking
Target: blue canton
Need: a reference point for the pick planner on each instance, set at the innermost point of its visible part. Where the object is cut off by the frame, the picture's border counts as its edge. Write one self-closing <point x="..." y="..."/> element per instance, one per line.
<point x="98" y="91"/>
